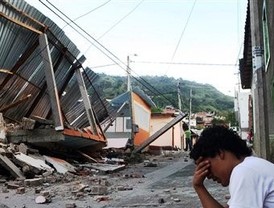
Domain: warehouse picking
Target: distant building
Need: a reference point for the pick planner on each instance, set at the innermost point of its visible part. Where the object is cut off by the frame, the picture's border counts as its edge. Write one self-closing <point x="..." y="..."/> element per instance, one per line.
<point x="132" y="123"/>
<point x="243" y="112"/>
<point x="172" y="137"/>
<point x="204" y="119"/>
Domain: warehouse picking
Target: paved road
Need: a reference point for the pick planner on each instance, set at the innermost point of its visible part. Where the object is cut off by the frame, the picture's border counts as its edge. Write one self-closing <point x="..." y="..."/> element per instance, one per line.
<point x="168" y="186"/>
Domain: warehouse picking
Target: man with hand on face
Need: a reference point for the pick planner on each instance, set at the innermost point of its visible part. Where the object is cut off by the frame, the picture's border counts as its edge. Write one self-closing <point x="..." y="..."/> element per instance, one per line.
<point x="220" y="154"/>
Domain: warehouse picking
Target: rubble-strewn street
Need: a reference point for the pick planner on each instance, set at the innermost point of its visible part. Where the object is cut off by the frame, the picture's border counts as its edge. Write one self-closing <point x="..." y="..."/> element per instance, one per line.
<point x="159" y="181"/>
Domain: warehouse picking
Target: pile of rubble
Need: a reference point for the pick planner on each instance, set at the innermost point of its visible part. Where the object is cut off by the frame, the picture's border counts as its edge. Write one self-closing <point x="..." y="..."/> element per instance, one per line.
<point x="25" y="168"/>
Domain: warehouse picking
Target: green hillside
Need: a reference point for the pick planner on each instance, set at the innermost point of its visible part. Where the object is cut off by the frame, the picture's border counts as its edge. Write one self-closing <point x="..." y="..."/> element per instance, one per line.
<point x="163" y="91"/>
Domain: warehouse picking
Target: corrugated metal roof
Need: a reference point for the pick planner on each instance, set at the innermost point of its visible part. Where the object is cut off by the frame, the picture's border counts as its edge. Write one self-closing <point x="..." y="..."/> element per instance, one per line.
<point x="120" y="99"/>
<point x="20" y="54"/>
<point x="246" y="63"/>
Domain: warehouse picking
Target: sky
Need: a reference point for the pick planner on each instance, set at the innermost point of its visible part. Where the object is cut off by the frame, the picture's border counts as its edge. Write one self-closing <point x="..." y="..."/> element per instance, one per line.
<point x="196" y="40"/>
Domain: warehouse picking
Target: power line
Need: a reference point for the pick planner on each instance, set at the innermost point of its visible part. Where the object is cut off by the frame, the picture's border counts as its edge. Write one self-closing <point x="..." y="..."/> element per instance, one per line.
<point x="119" y="21"/>
<point x="86" y="13"/>
<point x="102" y="66"/>
<point x="130" y="12"/>
<point x="183" y="32"/>
<point x="181" y="63"/>
<point x="92" y="10"/>
<point x="86" y="33"/>
<point x="147" y="84"/>
<point x="151" y="87"/>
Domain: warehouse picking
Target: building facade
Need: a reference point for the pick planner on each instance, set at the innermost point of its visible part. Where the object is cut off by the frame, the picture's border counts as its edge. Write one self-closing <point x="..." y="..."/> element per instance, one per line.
<point x="257" y="73"/>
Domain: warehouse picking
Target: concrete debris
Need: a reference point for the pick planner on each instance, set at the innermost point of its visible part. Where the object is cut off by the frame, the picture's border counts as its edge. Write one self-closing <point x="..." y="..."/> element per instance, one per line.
<point x="2" y="129"/>
<point x="5" y="189"/>
<point x="33" y="182"/>
<point x="37" y="165"/>
<point x="105" y="168"/>
<point x="20" y="190"/>
<point x="148" y="163"/>
<point x="124" y="188"/>
<point x="23" y="148"/>
<point x="71" y="205"/>
<point x="177" y="199"/>
<point x="40" y="200"/>
<point x="12" y="185"/>
<point x="99" y="190"/>
<point x="9" y="165"/>
<point x="61" y="166"/>
<point x="28" y="123"/>
<point x="102" y="198"/>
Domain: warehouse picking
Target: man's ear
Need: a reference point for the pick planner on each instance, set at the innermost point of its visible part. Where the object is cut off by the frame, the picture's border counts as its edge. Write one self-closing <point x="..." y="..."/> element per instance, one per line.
<point x="222" y="154"/>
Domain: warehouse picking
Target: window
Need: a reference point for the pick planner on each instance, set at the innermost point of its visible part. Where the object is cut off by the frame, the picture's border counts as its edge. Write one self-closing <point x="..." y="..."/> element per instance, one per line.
<point x="127" y="125"/>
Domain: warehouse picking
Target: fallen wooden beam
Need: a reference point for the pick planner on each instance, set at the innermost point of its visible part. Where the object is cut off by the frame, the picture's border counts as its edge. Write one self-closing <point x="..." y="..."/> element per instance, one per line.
<point x="5" y="108"/>
<point x="88" y="157"/>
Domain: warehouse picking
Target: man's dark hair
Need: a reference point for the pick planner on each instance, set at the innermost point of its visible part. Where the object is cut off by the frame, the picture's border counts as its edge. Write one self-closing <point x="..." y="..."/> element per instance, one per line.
<point x="216" y="138"/>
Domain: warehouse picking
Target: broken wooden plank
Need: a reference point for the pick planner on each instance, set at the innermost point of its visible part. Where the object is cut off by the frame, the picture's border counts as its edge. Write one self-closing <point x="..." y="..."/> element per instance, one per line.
<point x="88" y="157"/>
<point x="16" y="103"/>
<point x="41" y="120"/>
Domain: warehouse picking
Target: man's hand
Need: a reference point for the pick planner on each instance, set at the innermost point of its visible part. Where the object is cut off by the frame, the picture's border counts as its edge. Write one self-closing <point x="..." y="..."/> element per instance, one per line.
<point x="201" y="172"/>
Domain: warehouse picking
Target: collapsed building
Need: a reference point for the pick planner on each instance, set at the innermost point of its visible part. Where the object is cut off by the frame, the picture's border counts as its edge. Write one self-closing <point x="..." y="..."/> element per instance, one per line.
<point x="47" y="98"/>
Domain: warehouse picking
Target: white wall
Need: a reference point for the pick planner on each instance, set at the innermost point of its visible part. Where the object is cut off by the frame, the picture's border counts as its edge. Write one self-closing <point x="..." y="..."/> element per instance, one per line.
<point x="243" y="107"/>
<point x="166" y="138"/>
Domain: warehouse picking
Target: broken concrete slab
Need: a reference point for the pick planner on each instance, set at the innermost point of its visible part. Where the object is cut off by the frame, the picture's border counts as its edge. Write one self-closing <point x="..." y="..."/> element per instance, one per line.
<point x="104" y="168"/>
<point x="60" y="165"/>
<point x="11" y="167"/>
<point x="2" y="129"/>
<point x="37" y="165"/>
<point x="99" y="190"/>
<point x="28" y="123"/>
<point x="23" y="148"/>
<point x="33" y="182"/>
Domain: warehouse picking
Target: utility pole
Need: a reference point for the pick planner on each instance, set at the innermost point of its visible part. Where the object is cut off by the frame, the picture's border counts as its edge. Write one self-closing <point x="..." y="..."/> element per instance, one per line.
<point x="129" y="88"/>
<point x="179" y="96"/>
<point x="180" y="108"/>
<point x="190" y="106"/>
<point x="260" y="116"/>
<point x="128" y="75"/>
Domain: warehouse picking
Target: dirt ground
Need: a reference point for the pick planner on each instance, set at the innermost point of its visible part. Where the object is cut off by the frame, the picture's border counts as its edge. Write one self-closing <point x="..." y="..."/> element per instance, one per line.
<point x="162" y="181"/>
